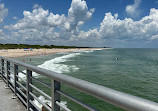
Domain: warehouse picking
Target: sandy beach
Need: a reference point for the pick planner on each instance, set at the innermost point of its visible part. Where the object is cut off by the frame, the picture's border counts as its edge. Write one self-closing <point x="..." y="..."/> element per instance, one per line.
<point x="21" y="52"/>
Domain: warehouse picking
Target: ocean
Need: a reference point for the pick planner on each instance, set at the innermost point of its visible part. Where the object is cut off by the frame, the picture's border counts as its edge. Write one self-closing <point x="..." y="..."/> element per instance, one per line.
<point x="135" y="71"/>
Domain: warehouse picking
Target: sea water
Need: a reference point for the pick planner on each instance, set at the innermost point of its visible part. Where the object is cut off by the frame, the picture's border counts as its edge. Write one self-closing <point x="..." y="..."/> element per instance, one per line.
<point x="133" y="71"/>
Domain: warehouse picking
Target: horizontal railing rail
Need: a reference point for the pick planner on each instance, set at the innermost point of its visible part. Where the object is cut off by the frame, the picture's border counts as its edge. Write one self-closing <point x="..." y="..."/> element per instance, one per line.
<point x="119" y="99"/>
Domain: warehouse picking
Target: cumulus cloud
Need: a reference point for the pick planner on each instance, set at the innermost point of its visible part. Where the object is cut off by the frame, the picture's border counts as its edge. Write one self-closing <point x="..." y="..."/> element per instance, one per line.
<point x="30" y="20"/>
<point x="3" y="12"/>
<point x="112" y="28"/>
<point x="2" y="35"/>
<point x="116" y="32"/>
<point x="45" y="22"/>
<point x="39" y="17"/>
<point x="78" y="14"/>
<point x="154" y="37"/>
<point x="36" y="6"/>
<point x="37" y="27"/>
<point x="1" y="32"/>
<point x="133" y="10"/>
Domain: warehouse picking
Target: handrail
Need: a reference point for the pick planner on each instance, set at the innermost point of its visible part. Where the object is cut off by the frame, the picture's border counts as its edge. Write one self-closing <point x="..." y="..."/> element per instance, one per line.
<point x="114" y="97"/>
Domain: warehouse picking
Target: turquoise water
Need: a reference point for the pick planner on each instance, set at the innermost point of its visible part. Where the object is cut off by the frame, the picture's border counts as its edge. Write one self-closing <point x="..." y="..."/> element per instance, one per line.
<point x="134" y="72"/>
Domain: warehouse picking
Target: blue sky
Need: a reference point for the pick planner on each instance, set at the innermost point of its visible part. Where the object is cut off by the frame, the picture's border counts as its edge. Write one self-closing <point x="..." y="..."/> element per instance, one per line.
<point x="114" y="23"/>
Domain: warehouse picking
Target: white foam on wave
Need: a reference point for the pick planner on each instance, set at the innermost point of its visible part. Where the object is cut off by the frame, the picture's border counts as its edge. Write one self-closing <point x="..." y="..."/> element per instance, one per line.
<point x="87" y="51"/>
<point x="43" y="99"/>
<point x="57" y="66"/>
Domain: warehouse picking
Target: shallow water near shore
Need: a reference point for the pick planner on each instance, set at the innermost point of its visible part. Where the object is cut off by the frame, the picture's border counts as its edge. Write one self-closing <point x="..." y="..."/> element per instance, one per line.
<point x="134" y="72"/>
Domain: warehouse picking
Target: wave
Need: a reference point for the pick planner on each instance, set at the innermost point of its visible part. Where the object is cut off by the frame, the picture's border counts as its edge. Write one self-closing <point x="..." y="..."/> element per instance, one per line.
<point x="43" y="99"/>
<point x="87" y="51"/>
<point x="57" y="66"/>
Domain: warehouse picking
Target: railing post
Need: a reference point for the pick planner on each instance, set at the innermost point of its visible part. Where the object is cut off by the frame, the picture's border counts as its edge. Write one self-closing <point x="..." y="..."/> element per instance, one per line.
<point x="55" y="95"/>
<point x="8" y="73"/>
<point x="29" y="89"/>
<point x="1" y="67"/>
<point x="15" y="77"/>
<point x="2" y="70"/>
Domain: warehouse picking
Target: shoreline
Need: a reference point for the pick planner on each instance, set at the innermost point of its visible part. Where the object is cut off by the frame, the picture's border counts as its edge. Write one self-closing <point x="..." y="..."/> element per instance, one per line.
<point x="15" y="53"/>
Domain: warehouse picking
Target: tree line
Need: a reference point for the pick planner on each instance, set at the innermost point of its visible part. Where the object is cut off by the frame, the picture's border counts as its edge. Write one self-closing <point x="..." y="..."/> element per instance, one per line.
<point x="22" y="46"/>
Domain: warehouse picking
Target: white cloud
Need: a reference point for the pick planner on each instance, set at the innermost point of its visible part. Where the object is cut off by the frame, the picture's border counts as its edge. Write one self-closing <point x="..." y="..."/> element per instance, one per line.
<point x="116" y="32"/>
<point x="34" y="19"/>
<point x="15" y="18"/>
<point x="2" y="36"/>
<point x="78" y="14"/>
<point x="43" y="20"/>
<point x="35" y="6"/>
<point x="3" y="12"/>
<point x="112" y="28"/>
<point x="154" y="37"/>
<point x="39" y="17"/>
<point x="133" y="10"/>
<point x="1" y="32"/>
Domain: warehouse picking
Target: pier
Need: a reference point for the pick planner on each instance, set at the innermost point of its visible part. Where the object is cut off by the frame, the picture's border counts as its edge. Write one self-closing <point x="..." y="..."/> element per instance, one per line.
<point x="10" y="70"/>
<point x="7" y="100"/>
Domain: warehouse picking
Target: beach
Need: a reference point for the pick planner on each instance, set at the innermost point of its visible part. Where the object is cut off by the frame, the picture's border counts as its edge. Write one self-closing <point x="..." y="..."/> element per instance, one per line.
<point x="23" y="52"/>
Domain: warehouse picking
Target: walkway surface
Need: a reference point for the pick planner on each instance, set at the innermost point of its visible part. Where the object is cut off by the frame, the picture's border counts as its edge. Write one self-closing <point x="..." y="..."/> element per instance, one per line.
<point x="6" y="102"/>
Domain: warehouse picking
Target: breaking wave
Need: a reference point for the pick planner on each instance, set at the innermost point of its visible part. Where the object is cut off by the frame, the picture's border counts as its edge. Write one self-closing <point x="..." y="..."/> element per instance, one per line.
<point x="57" y="66"/>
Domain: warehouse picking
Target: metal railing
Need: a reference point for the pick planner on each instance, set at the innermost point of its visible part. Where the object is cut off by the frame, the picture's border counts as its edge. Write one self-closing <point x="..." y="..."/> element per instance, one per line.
<point x="26" y="95"/>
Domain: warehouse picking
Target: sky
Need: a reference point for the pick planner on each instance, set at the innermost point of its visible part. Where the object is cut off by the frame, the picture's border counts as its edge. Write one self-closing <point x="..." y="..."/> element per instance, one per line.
<point x="93" y="23"/>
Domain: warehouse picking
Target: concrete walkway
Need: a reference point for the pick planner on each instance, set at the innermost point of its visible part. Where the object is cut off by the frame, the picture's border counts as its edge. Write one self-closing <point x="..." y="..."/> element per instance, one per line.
<point x="6" y="103"/>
